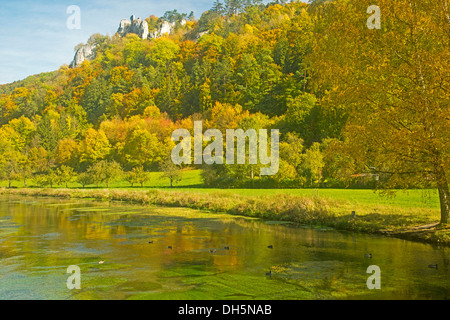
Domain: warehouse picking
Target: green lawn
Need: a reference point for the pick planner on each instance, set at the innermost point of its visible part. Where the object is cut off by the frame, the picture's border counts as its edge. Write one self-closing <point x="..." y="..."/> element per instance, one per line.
<point x="191" y="178"/>
<point x="192" y="182"/>
<point x="405" y="199"/>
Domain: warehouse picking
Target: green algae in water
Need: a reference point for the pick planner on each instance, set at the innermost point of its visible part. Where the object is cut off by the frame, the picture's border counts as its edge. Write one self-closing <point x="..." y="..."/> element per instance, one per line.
<point x="196" y="284"/>
<point x="134" y="287"/>
<point x="42" y="241"/>
<point x="278" y="222"/>
<point x="323" y="279"/>
<point x="7" y="227"/>
<point x="93" y="209"/>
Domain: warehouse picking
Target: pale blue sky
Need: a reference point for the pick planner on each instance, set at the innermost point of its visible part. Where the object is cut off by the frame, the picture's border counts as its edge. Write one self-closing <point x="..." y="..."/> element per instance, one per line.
<point x="34" y="37"/>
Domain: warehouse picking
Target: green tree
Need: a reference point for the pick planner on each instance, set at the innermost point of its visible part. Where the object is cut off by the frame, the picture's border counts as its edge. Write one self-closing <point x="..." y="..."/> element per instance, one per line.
<point x="171" y="171"/>
<point x="50" y="178"/>
<point x="48" y="132"/>
<point x="163" y="51"/>
<point x="85" y="178"/>
<point x="10" y="166"/>
<point x="313" y="164"/>
<point x="96" y="99"/>
<point x="218" y="7"/>
<point x="65" y="175"/>
<point x="233" y="6"/>
<point x="105" y="172"/>
<point x="131" y="177"/>
<point x="25" y="171"/>
<point x="286" y="175"/>
<point x="138" y="175"/>
<point x="298" y="115"/>
<point x="38" y="160"/>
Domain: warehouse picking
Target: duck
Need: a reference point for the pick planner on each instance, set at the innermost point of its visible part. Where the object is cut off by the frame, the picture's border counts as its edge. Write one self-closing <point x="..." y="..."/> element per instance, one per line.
<point x="226" y="248"/>
<point x="435" y="266"/>
<point x="368" y="255"/>
<point x="101" y="262"/>
<point x="169" y="247"/>
<point x="270" y="246"/>
<point x="212" y="250"/>
<point x="150" y="241"/>
<point x="269" y="273"/>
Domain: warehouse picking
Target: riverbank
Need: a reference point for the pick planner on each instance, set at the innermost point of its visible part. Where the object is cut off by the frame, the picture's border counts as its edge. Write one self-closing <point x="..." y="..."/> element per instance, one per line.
<point x="412" y="224"/>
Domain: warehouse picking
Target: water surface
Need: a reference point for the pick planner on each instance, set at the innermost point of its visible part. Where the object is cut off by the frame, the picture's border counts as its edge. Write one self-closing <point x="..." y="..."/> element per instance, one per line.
<point x="213" y="256"/>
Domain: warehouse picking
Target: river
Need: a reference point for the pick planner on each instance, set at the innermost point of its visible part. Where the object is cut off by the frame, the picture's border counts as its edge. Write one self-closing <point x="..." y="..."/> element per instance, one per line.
<point x="125" y="251"/>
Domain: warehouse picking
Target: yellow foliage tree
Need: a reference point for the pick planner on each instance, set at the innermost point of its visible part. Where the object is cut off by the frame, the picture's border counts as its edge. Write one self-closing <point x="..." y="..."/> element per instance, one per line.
<point x="394" y="83"/>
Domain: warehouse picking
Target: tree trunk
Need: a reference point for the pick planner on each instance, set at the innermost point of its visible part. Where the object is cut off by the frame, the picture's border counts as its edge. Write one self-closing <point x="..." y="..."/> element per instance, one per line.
<point x="444" y="194"/>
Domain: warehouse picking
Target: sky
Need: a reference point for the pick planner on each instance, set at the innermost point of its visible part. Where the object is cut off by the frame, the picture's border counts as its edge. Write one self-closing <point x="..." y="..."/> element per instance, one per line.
<point x="34" y="36"/>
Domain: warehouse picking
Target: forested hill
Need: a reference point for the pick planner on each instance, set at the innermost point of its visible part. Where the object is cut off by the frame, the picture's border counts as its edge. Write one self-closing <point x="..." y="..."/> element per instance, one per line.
<point x="251" y="56"/>
<point x="302" y="68"/>
<point x="236" y="66"/>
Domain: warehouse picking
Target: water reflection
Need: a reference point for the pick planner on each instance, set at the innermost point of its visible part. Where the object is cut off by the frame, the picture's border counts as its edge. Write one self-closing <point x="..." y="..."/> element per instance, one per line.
<point x="212" y="256"/>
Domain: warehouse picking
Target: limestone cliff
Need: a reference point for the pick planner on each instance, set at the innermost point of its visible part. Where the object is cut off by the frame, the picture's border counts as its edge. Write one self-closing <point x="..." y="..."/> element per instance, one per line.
<point x="137" y="26"/>
<point x="86" y="52"/>
<point x="134" y="25"/>
<point x="165" y="27"/>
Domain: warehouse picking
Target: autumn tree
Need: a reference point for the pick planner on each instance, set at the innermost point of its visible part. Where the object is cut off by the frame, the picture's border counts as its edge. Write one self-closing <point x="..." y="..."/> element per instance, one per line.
<point x="141" y="148"/>
<point x="171" y="171"/>
<point x="313" y="164"/>
<point x="65" y="175"/>
<point x="393" y="80"/>
<point x="94" y="147"/>
<point x="85" y="178"/>
<point x="286" y="174"/>
<point x="137" y="175"/>
<point x="67" y="153"/>
<point x="38" y="160"/>
<point x="25" y="130"/>
<point x="50" y="178"/>
<point x="10" y="166"/>
<point x="105" y="172"/>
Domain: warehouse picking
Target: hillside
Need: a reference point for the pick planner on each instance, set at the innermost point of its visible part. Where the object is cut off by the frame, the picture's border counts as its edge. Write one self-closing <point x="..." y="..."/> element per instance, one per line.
<point x="249" y="66"/>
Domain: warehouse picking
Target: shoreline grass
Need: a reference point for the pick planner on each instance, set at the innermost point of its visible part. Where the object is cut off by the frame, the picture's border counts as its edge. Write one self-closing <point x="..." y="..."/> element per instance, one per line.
<point x="397" y="221"/>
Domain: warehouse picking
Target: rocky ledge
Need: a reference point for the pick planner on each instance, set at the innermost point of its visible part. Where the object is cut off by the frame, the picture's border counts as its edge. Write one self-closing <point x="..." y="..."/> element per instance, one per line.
<point x="134" y="25"/>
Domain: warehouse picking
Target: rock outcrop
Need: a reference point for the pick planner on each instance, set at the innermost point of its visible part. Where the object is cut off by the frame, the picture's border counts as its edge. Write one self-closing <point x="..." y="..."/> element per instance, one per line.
<point x="140" y="27"/>
<point x="137" y="26"/>
<point x="86" y="52"/>
<point x="134" y="25"/>
<point x="201" y="34"/>
<point x="166" y="27"/>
